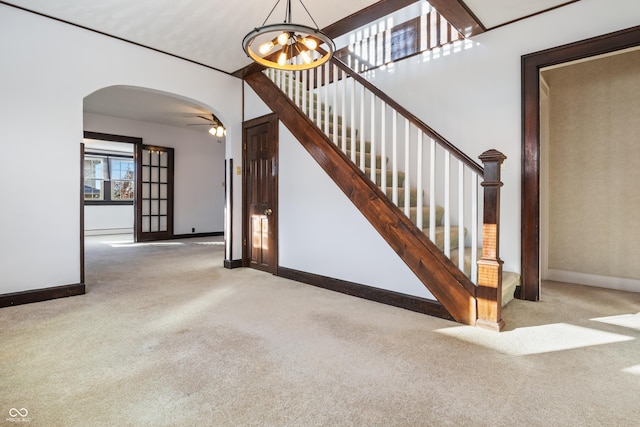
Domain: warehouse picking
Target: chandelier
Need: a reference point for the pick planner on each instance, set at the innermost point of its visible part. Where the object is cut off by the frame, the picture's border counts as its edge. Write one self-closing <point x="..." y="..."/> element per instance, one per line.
<point x="288" y="46"/>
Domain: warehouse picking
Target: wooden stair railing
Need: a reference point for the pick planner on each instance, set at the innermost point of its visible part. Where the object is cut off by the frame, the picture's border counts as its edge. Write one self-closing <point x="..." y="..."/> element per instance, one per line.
<point x="458" y="295"/>
<point x="445" y="281"/>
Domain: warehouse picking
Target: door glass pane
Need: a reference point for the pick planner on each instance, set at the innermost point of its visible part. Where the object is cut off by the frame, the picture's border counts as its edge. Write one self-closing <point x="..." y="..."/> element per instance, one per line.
<point x="154" y="223"/>
<point x="146" y="191"/>
<point x="163" y="191"/>
<point x="155" y="175"/>
<point x="164" y="160"/>
<point x="145" y="173"/>
<point x="163" y="175"/>
<point x="155" y="207"/>
<point x="155" y="191"/>
<point x="146" y="157"/>
<point x="163" y="223"/>
<point x="145" y="207"/>
<point x="146" y="224"/>
<point x="163" y="207"/>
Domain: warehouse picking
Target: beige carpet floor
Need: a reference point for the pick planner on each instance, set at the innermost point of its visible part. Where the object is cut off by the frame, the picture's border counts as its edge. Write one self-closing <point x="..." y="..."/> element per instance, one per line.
<point x="167" y="337"/>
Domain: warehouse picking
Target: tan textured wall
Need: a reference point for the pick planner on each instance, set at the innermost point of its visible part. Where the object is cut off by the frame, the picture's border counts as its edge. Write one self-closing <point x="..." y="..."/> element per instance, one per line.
<point x="594" y="167"/>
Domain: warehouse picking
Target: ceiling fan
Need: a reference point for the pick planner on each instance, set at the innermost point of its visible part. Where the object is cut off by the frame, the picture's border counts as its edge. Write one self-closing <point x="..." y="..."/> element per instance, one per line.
<point x="215" y="126"/>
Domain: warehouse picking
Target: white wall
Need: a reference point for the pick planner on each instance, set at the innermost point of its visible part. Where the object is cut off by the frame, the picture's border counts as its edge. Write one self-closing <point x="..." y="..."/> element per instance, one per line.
<point x="199" y="169"/>
<point x="47" y="68"/>
<point x="108" y="219"/>
<point x="473" y="97"/>
<point x="320" y="231"/>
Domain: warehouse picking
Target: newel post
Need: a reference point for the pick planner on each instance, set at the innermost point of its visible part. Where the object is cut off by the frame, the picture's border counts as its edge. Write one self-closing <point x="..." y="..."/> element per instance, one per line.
<point x="489" y="290"/>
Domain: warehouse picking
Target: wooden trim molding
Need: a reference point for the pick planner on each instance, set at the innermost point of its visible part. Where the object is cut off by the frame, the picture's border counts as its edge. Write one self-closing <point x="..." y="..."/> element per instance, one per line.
<point x="365" y="16"/>
<point x="233" y="263"/>
<point x="396" y="299"/>
<point x="530" y="202"/>
<point x="82" y="221"/>
<point x="111" y="137"/>
<point x="460" y="16"/>
<point x="190" y="235"/>
<point x="38" y="295"/>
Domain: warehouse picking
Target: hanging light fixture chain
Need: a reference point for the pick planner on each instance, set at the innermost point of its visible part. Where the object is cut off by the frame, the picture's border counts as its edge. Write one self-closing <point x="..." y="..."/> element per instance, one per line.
<point x="307" y="10"/>
<point x="269" y="15"/>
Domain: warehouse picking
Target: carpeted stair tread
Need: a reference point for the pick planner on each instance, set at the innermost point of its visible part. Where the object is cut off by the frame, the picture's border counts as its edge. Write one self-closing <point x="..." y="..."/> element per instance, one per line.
<point x="413" y="196"/>
<point x="426" y="214"/>
<point x="440" y="236"/>
<point x="367" y="159"/>
<point x="349" y="144"/>
<point x="389" y="174"/>
<point x="348" y="130"/>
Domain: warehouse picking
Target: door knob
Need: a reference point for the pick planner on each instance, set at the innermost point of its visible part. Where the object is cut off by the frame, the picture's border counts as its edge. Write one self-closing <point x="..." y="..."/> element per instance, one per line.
<point x="268" y="211"/>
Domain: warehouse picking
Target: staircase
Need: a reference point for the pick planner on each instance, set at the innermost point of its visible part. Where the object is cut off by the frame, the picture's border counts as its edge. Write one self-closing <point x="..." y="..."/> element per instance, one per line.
<point x="509" y="280"/>
<point x="439" y="247"/>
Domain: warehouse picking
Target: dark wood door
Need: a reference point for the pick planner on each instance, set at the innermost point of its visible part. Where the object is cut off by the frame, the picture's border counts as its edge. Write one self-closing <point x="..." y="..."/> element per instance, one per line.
<point x="154" y="196"/>
<point x="260" y="190"/>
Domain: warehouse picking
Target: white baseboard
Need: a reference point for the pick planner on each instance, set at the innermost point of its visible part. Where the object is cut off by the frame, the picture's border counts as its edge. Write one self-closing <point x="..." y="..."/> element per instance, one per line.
<point x="102" y="232"/>
<point x="619" y="283"/>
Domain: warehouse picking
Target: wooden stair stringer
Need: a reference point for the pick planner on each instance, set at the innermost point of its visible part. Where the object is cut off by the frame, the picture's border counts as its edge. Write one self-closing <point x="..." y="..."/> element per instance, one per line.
<point x="440" y="276"/>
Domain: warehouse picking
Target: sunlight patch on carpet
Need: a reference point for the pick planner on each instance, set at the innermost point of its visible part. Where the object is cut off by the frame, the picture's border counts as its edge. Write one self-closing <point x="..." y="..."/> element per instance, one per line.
<point x="635" y="370"/>
<point x="631" y="321"/>
<point x="535" y="339"/>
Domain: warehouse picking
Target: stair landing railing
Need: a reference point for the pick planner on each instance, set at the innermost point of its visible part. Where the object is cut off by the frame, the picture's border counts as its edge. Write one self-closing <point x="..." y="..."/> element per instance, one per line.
<point x="430" y="180"/>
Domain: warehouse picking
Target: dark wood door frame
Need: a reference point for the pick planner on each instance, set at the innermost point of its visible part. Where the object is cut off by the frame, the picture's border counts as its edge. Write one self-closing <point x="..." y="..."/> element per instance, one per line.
<point x="530" y="202"/>
<point x="272" y="121"/>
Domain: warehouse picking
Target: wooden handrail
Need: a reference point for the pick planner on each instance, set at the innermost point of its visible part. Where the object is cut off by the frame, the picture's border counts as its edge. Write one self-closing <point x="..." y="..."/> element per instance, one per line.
<point x="455" y="151"/>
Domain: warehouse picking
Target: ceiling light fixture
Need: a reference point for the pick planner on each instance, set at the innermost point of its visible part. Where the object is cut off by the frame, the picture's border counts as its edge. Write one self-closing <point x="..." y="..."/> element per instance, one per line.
<point x="288" y="46"/>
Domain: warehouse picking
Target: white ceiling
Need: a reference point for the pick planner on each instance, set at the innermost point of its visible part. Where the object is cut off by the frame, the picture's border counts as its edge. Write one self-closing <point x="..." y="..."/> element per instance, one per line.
<point x="210" y="32"/>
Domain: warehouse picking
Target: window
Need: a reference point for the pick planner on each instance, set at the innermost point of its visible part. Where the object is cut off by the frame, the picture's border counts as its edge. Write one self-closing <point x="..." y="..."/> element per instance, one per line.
<point x="122" y="179"/>
<point x="109" y="178"/>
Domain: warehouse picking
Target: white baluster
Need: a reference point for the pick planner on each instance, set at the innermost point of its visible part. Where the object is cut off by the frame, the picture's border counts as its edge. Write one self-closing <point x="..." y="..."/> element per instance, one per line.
<point x="432" y="191"/>
<point x="419" y="182"/>
<point x="383" y="145"/>
<point x="407" y="187"/>
<point x="297" y="88"/>
<point x="372" y="139"/>
<point x="461" y="215"/>
<point x="335" y="104"/>
<point x="353" y="120"/>
<point x="474" y="227"/>
<point x="447" y="204"/>
<point x="362" y="132"/>
<point x="343" y="111"/>
<point x="327" y="101"/>
<point x="312" y="98"/>
<point x="304" y="92"/>
<point x="394" y="157"/>
<point x="320" y="100"/>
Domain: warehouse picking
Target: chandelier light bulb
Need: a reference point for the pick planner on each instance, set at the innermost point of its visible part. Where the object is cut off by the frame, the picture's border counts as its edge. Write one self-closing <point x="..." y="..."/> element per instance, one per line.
<point x="266" y="47"/>
<point x="305" y="57"/>
<point x="311" y="44"/>
<point x="282" y="59"/>
<point x="220" y="132"/>
<point x="283" y="38"/>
